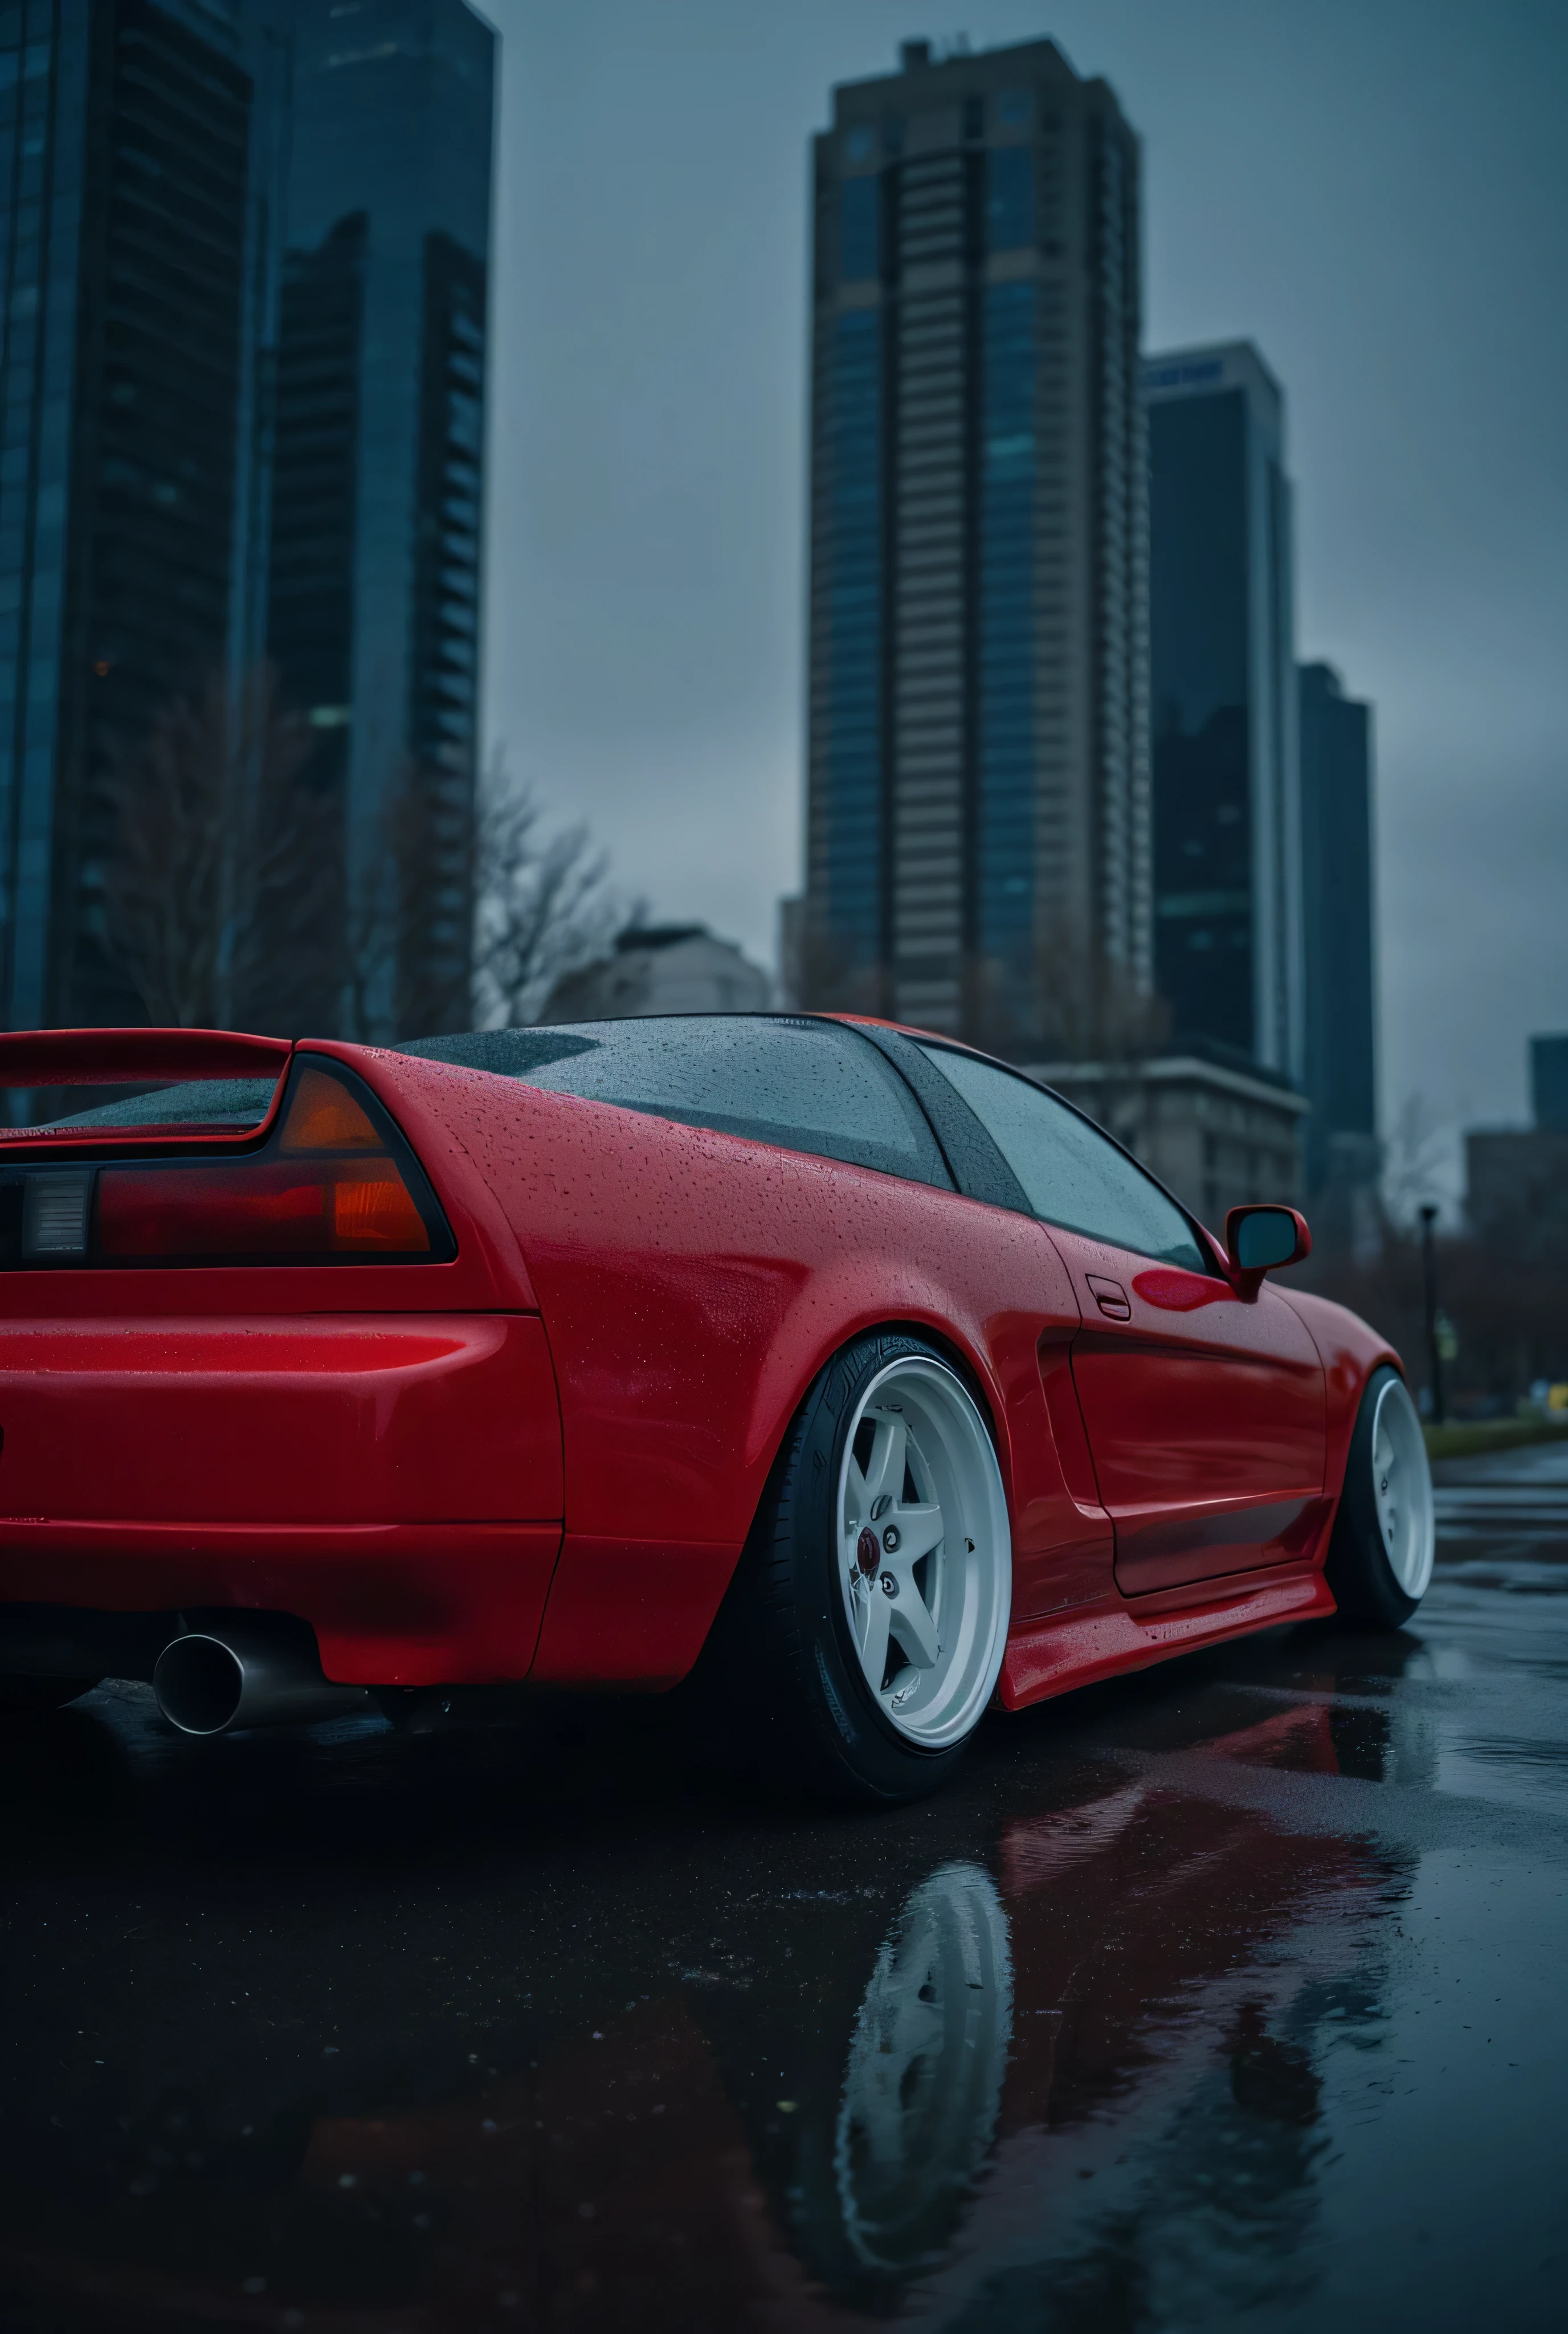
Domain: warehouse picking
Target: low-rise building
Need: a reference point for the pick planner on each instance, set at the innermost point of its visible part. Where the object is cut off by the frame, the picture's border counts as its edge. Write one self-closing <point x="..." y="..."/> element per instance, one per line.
<point x="1517" y="1178"/>
<point x="1217" y="1135"/>
<point x="1516" y="1190"/>
<point x="661" y="969"/>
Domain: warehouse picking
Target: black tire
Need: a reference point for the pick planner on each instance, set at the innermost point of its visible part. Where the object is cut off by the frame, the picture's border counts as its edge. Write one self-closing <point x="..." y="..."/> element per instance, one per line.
<point x="21" y="1695"/>
<point x="782" y="1655"/>
<point x="1366" y="1589"/>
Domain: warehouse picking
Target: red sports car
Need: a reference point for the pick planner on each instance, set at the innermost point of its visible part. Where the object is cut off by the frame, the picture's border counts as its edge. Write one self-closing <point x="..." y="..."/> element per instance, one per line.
<point x="559" y="1354"/>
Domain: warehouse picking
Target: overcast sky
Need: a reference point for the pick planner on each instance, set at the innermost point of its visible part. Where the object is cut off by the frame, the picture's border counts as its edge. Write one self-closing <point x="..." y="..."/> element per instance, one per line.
<point x="1376" y="191"/>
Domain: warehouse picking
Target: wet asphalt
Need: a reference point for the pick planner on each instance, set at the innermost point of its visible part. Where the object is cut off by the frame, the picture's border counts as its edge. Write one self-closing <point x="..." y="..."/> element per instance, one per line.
<point x="1232" y="1994"/>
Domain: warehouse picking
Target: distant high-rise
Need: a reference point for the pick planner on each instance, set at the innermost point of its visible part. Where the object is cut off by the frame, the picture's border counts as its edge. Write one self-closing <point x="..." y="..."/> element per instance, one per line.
<point x="124" y="158"/>
<point x="378" y="476"/>
<point x="1339" y="884"/>
<point x="1228" y="948"/>
<point x="1549" y="1082"/>
<point x="978" y="798"/>
<point x="244" y="248"/>
<point x="1516" y="1196"/>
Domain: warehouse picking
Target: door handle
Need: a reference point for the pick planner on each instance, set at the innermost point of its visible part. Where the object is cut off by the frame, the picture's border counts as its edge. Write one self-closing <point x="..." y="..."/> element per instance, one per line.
<point x="1110" y="1296"/>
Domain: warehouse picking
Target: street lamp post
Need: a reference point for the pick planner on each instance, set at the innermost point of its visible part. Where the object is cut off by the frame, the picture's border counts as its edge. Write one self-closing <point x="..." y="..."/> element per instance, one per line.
<point x="1429" y="1285"/>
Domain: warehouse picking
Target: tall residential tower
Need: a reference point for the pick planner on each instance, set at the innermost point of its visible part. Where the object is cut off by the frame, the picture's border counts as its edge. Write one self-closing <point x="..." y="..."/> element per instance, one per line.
<point x="1227" y="877"/>
<point x="978" y="797"/>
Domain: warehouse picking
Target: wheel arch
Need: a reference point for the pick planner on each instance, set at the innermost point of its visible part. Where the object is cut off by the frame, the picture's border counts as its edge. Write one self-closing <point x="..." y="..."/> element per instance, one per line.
<point x="1350" y="1352"/>
<point x="932" y="1332"/>
<point x="947" y="1347"/>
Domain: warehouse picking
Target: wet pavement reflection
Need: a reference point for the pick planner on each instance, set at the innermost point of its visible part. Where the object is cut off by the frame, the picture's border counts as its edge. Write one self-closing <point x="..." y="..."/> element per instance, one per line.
<point x="1230" y="1995"/>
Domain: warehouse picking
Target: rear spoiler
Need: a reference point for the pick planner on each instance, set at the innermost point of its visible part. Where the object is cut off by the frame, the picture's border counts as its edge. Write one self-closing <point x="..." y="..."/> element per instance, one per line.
<point x="97" y="1058"/>
<point x="125" y="1057"/>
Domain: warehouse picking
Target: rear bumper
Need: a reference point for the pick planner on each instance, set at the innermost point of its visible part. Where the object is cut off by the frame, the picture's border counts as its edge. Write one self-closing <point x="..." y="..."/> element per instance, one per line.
<point x="298" y="1420"/>
<point x="393" y="1479"/>
<point x="391" y="1604"/>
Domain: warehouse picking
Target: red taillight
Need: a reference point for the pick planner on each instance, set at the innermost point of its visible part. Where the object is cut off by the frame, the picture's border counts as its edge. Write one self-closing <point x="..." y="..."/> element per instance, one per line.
<point x="334" y="1181"/>
<point x="261" y="1207"/>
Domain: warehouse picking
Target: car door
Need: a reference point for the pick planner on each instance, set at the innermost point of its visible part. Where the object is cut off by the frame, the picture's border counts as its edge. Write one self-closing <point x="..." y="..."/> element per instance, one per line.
<point x="1206" y="1415"/>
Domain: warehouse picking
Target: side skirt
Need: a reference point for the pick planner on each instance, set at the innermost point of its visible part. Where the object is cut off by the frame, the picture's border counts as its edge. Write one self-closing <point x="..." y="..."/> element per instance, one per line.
<point x="1080" y="1647"/>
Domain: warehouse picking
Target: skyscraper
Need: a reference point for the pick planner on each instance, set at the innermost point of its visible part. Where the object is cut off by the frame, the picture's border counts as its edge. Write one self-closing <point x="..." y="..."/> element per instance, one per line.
<point x="124" y="143"/>
<point x="977" y="776"/>
<point x="245" y="246"/>
<point x="1339" y="881"/>
<point x="1227" y="878"/>
<point x="376" y="485"/>
<point x="1549" y="1082"/>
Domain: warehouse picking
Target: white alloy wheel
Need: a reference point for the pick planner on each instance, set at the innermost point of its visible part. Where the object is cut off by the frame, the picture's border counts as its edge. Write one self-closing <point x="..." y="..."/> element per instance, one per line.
<point x="925" y="1550"/>
<point x="923" y="2086"/>
<point x="1402" y="1488"/>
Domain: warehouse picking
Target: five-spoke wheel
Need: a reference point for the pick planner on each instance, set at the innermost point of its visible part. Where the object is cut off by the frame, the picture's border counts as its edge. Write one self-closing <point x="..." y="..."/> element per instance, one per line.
<point x="925" y="1550"/>
<point x="870" y="1617"/>
<point x="1402" y="1488"/>
<point x="1379" y="1559"/>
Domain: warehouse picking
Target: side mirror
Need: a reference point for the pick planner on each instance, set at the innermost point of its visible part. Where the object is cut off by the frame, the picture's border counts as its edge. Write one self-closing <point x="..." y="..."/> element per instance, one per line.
<point x="1263" y="1240"/>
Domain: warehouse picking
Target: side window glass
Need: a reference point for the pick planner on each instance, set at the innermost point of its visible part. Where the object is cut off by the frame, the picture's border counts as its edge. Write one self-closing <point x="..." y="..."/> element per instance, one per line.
<point x="1070" y="1174"/>
<point x="805" y="1086"/>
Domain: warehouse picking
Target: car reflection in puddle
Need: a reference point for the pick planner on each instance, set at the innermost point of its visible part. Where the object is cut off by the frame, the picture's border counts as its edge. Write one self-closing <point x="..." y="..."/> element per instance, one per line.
<point x="858" y="2098"/>
<point x="701" y="2160"/>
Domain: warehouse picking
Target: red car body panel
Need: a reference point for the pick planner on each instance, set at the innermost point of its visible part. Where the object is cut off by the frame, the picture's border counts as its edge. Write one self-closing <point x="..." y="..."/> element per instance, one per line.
<point x="404" y="1604"/>
<point x="544" y="1458"/>
<point x="1205" y="1420"/>
<point x="394" y="1480"/>
<point x="693" y="1285"/>
<point x="432" y="1418"/>
<point x="1349" y="1351"/>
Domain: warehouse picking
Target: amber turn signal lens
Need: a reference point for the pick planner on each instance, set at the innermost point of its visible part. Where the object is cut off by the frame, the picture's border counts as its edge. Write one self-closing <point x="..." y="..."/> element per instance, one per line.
<point x="323" y="1116"/>
<point x="373" y="1210"/>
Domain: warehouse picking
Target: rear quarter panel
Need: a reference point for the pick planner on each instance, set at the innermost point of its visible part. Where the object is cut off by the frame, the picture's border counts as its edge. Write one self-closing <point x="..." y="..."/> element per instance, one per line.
<point x="691" y="1285"/>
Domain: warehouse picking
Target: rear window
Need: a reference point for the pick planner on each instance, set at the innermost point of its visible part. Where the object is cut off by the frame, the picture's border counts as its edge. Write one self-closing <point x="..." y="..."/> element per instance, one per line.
<point x="196" y="1106"/>
<point x="804" y="1085"/>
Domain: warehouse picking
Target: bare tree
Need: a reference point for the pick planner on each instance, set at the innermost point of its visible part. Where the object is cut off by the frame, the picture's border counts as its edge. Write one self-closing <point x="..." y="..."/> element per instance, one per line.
<point x="406" y="943"/>
<point x="220" y="883"/>
<point x="1414" y="1159"/>
<point x="829" y="977"/>
<point x="231" y="897"/>
<point x="542" y="904"/>
<point x="1089" y="1006"/>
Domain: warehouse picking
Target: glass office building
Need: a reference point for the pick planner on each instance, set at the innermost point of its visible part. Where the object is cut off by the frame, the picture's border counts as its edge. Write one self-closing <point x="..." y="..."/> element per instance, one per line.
<point x="245" y="246"/>
<point x="377" y="470"/>
<point x="124" y="154"/>
<point x="1338" y="866"/>
<point x="1229" y="947"/>
<point x="977" y="784"/>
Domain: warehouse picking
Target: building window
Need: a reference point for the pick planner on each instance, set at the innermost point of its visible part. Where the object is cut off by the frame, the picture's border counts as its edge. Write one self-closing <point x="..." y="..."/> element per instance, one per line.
<point x="854" y="760"/>
<point x="1005" y="839"/>
<point x="859" y="228"/>
<point x="1009" y="198"/>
